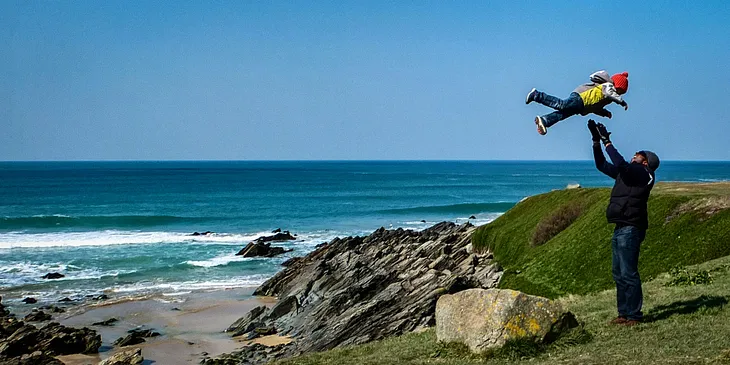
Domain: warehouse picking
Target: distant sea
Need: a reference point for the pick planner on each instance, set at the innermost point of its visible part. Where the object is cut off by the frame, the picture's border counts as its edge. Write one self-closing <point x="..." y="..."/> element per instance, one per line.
<point x="124" y="228"/>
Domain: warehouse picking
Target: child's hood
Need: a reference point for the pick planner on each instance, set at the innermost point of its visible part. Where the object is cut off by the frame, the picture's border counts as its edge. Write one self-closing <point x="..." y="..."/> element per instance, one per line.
<point x="600" y="77"/>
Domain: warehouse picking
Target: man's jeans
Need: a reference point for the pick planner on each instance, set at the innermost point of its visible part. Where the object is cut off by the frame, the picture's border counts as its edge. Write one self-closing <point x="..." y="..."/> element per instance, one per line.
<point x="625" y="245"/>
<point x="564" y="108"/>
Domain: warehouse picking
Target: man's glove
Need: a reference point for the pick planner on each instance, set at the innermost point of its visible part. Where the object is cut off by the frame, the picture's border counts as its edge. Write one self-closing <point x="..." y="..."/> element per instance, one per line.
<point x="594" y="130"/>
<point x="603" y="133"/>
<point x="626" y="105"/>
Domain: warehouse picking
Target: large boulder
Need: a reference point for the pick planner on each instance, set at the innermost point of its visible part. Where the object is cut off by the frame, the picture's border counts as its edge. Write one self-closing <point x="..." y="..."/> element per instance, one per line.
<point x="128" y="357"/>
<point x="484" y="319"/>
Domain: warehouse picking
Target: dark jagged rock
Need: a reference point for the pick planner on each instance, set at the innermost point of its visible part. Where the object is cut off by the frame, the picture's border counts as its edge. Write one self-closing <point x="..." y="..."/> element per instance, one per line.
<point x="129" y="340"/>
<point x="278" y="230"/>
<point x="37" y="316"/>
<point x="98" y="297"/>
<point x="279" y="236"/>
<point x="53" y="309"/>
<point x="3" y="311"/>
<point x="30" y="300"/>
<point x="206" y="233"/>
<point x="260" y="249"/>
<point x="135" y="336"/>
<point x="53" y="275"/>
<point x="472" y="217"/>
<point x="107" y="323"/>
<point x="357" y="289"/>
<point x="65" y="300"/>
<point x="144" y="332"/>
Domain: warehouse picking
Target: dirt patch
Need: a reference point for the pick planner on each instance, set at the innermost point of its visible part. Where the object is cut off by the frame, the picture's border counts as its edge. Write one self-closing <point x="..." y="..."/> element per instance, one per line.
<point x="706" y="207"/>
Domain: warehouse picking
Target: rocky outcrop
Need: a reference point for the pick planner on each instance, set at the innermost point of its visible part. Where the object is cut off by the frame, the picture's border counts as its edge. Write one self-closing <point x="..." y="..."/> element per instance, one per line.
<point x="36" y="358"/>
<point x="358" y="289"/>
<point x="22" y="343"/>
<point x="260" y="249"/>
<point x="30" y="300"/>
<point x="252" y="354"/>
<point x="53" y="339"/>
<point x="486" y="319"/>
<point x="129" y="357"/>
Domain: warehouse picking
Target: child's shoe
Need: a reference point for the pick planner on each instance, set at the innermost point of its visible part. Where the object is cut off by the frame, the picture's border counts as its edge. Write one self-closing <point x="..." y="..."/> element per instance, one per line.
<point x="531" y="96"/>
<point x="541" y="128"/>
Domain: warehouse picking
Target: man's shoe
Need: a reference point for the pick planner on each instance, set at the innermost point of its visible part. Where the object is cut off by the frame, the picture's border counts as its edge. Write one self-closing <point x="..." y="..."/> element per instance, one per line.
<point x="541" y="128"/>
<point x="531" y="96"/>
<point x="618" y="320"/>
<point x="630" y="323"/>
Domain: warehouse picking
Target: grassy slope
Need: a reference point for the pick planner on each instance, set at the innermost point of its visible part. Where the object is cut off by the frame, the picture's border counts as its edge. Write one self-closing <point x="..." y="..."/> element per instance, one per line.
<point x="578" y="260"/>
<point x="685" y="325"/>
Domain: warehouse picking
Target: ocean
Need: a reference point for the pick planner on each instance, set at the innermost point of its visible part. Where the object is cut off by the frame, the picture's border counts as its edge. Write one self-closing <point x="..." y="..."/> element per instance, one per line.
<point x="124" y="228"/>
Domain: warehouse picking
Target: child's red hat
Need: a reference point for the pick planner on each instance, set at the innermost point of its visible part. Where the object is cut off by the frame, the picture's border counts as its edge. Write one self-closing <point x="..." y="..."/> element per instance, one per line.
<point x="621" y="82"/>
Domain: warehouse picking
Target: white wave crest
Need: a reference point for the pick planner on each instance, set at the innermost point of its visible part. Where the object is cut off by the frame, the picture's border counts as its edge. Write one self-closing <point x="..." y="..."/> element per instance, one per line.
<point x="176" y="287"/>
<point x="216" y="261"/>
<point x="114" y="237"/>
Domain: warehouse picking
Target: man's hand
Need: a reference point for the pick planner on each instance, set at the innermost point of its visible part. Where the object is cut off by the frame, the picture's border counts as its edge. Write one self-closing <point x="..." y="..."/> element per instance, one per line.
<point x="594" y="130"/>
<point x="603" y="133"/>
<point x="608" y="114"/>
<point x="626" y="106"/>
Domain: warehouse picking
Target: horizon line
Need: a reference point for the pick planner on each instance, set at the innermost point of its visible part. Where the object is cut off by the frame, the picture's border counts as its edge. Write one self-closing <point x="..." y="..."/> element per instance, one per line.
<point x="334" y="160"/>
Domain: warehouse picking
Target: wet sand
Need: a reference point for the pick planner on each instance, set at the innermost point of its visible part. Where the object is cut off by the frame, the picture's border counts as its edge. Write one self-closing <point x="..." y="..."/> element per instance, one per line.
<point x="191" y="325"/>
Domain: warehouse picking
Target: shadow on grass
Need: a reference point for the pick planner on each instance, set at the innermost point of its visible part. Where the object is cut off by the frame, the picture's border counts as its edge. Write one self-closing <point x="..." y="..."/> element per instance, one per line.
<point x="702" y="303"/>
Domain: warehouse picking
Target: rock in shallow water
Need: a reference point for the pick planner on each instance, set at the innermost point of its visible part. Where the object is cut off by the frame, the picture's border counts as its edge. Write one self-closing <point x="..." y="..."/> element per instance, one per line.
<point x="53" y="275"/>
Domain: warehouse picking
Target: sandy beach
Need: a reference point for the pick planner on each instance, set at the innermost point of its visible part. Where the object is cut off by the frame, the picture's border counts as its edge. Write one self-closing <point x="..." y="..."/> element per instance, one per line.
<point x="191" y="324"/>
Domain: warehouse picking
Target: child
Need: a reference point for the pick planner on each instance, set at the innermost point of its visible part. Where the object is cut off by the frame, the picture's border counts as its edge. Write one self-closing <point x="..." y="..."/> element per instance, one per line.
<point x="587" y="98"/>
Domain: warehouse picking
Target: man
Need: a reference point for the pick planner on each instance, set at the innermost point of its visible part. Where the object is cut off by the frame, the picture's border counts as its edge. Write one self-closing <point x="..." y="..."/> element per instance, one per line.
<point x="628" y="210"/>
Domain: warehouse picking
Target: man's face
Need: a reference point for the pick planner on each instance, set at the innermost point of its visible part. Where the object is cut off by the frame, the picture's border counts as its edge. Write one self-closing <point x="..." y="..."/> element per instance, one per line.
<point x="640" y="159"/>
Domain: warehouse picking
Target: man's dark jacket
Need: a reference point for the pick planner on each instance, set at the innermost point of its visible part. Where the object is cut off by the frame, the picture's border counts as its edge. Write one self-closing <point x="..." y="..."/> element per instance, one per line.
<point x="630" y="193"/>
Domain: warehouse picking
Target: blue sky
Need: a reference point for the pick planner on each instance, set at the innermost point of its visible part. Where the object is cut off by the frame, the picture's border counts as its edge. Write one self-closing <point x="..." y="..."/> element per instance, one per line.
<point x="269" y="80"/>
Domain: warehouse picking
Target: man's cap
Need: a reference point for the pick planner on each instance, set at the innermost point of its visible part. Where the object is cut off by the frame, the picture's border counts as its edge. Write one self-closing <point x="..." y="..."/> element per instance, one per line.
<point x="651" y="159"/>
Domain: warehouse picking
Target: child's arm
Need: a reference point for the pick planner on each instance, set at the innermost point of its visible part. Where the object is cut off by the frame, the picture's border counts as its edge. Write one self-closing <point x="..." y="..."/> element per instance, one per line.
<point x="610" y="92"/>
<point x="603" y="113"/>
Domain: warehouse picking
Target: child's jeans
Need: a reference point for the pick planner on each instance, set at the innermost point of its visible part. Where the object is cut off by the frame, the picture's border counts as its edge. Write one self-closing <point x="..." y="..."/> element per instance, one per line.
<point x="564" y="108"/>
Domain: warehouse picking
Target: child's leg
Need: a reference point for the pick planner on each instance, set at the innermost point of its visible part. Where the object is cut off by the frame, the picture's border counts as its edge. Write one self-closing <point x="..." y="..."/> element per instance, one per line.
<point x="550" y="119"/>
<point x="571" y="106"/>
<point x="550" y="101"/>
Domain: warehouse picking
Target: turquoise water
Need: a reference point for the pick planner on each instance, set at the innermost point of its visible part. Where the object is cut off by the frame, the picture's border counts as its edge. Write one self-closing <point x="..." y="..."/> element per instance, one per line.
<point x="124" y="227"/>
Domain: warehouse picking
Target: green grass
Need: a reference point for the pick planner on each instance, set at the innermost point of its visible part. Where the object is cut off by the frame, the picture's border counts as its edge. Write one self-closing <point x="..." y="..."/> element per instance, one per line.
<point x="577" y="260"/>
<point x="685" y="325"/>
